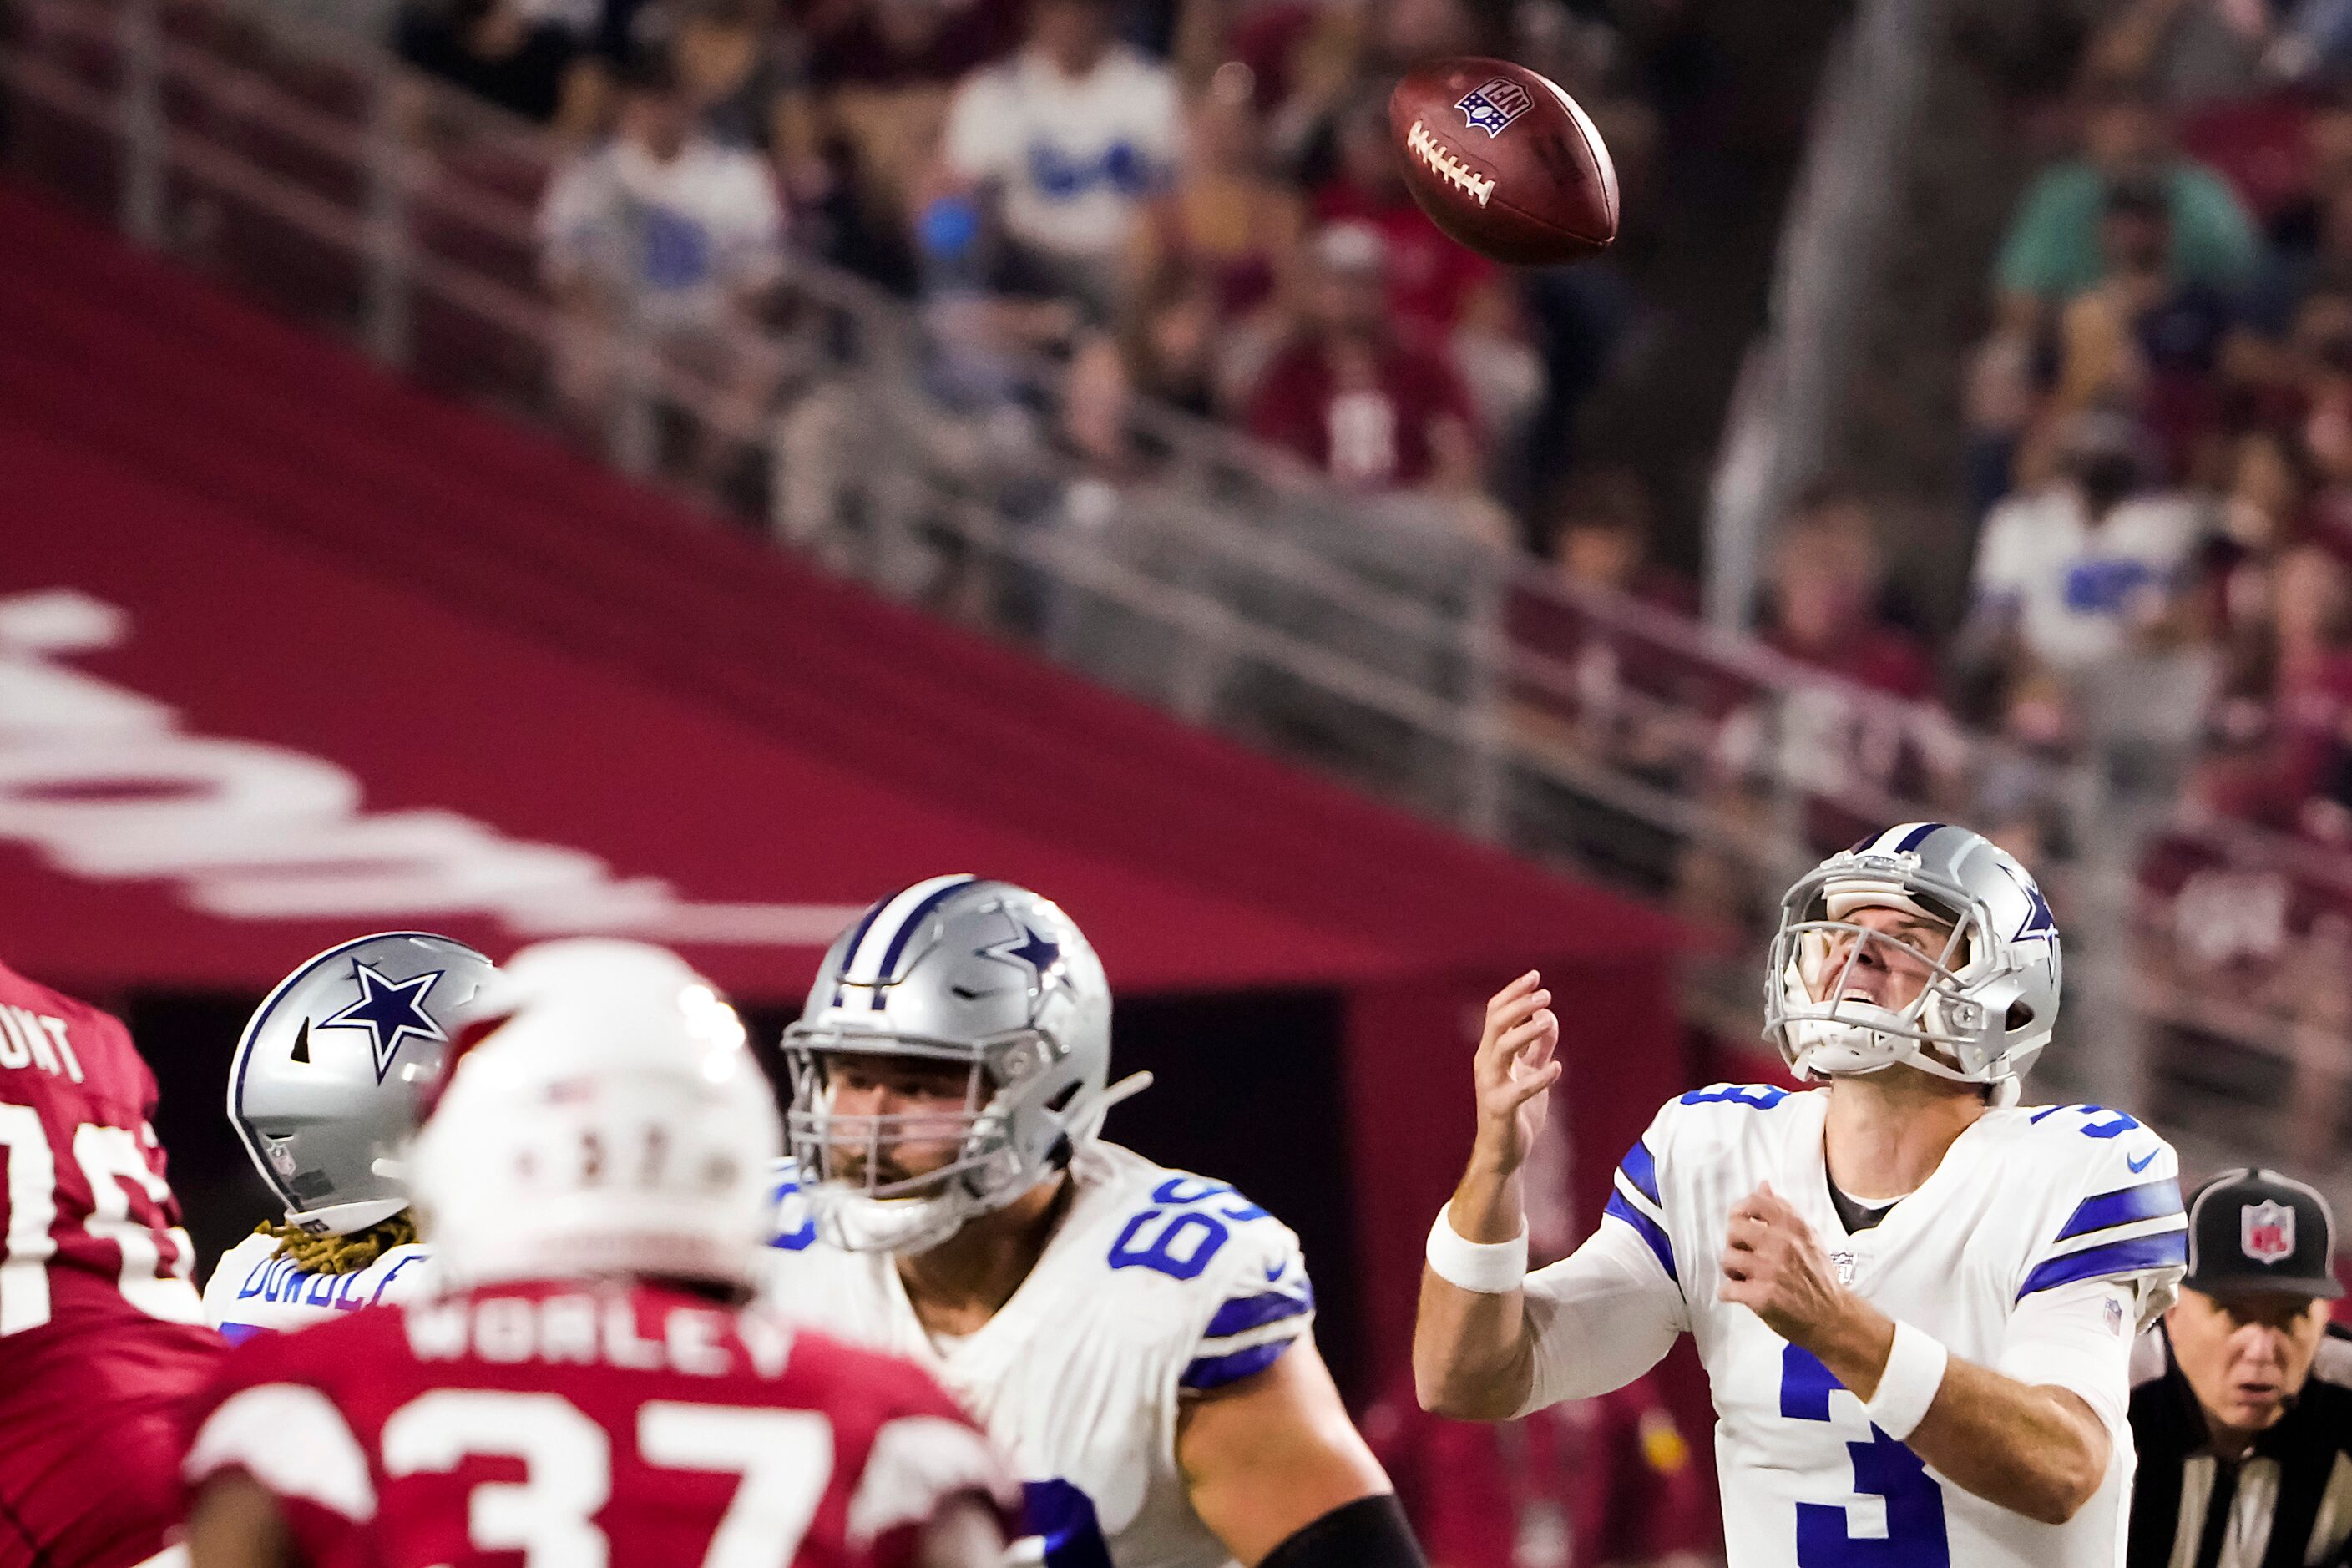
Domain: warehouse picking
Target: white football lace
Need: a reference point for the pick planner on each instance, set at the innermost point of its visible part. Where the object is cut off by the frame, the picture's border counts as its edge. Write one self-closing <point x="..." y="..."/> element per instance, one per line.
<point x="1430" y="151"/>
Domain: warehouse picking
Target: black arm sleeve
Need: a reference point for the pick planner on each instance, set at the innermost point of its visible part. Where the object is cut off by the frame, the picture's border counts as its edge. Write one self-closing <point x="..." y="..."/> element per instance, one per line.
<point x="1369" y="1533"/>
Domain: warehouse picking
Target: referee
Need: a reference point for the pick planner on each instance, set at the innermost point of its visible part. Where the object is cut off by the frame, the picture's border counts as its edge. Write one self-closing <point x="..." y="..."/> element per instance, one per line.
<point x="2241" y="1397"/>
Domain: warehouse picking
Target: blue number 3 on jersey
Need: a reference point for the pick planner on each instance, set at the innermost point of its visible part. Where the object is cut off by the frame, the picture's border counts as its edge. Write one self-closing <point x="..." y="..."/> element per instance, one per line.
<point x="1884" y="1470"/>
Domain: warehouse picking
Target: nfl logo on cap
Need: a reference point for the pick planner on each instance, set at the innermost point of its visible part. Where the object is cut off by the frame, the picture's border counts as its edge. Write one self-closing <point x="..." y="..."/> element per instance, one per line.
<point x="2257" y="1230"/>
<point x="2266" y="1231"/>
<point x="1494" y="106"/>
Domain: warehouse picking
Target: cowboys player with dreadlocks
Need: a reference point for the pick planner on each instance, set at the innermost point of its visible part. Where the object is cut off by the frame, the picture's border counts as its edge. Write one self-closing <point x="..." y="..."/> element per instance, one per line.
<point x="1135" y="1338"/>
<point x="1915" y="1298"/>
<point x="324" y="1089"/>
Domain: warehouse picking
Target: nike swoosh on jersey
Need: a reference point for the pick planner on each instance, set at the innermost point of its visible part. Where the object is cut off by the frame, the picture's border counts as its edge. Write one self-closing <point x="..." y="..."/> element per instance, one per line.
<point x="2141" y="1164"/>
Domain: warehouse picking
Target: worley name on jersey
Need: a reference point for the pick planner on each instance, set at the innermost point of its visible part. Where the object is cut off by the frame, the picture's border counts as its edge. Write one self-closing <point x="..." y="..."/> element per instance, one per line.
<point x="1158" y="1283"/>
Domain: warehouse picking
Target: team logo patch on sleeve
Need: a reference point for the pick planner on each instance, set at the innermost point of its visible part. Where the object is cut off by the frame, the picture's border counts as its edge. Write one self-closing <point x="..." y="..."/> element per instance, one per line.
<point x="1493" y="107"/>
<point x="2266" y="1231"/>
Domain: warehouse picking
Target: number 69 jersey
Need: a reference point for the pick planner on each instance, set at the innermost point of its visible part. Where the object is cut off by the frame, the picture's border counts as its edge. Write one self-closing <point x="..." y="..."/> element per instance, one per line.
<point x="1156" y="1284"/>
<point x="2026" y="1201"/>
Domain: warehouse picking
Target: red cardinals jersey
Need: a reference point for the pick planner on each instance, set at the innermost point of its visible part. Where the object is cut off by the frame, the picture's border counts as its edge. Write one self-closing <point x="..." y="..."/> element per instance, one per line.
<point x="99" y="1335"/>
<point x="590" y="1424"/>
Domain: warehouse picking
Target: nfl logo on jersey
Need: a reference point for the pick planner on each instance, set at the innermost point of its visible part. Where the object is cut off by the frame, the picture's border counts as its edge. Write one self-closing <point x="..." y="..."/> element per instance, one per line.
<point x="2266" y="1231"/>
<point x="1493" y="107"/>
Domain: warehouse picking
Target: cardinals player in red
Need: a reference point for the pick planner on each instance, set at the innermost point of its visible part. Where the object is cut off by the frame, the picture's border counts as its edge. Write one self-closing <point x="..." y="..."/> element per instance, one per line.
<point x="592" y="1384"/>
<point x="101" y="1335"/>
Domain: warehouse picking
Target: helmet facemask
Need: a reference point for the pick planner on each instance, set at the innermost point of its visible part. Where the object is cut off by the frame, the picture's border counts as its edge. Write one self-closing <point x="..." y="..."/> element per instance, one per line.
<point x="1820" y="954"/>
<point x="861" y="1199"/>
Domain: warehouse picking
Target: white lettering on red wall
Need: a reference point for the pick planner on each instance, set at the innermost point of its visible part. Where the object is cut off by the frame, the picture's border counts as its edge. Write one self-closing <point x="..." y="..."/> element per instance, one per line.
<point x="105" y="782"/>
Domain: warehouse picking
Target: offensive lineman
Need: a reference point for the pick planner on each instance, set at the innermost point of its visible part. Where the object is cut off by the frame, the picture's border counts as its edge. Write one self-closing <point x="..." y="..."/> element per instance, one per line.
<point x="1915" y="1300"/>
<point x="1135" y="1338"/>
<point x="588" y="1385"/>
<point x="324" y="1091"/>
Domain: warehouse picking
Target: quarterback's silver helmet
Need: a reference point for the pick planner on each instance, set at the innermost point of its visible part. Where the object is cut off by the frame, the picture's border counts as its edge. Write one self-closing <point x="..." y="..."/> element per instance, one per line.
<point x="973" y="974"/>
<point x="1989" y="997"/>
<point x="330" y="1075"/>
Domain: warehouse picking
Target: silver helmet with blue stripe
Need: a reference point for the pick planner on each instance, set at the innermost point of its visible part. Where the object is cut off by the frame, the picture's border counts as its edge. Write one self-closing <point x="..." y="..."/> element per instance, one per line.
<point x="953" y="973"/>
<point x="1965" y="924"/>
<point x="329" y="1076"/>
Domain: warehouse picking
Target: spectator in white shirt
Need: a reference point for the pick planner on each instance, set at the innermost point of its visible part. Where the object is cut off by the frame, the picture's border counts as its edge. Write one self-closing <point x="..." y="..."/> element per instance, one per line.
<point x="1067" y="141"/>
<point x="2087" y="580"/>
<point x="669" y="243"/>
<point x="2077" y="568"/>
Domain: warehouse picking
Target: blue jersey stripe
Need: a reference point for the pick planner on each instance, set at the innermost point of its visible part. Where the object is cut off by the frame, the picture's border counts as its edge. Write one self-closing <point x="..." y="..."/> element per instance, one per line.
<point x="2122" y="1207"/>
<point x="237" y="1333"/>
<point x="1648" y="1229"/>
<point x="1216" y="1370"/>
<point x="1244" y="1313"/>
<point x="1643" y="1171"/>
<point x="2141" y="1252"/>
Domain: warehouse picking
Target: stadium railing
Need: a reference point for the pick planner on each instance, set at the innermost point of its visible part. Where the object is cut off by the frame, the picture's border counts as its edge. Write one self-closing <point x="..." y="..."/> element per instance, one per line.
<point x="1776" y="432"/>
<point x="1363" y="636"/>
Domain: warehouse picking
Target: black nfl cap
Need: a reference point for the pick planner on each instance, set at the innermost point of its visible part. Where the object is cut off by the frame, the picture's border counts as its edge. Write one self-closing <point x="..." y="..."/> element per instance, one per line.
<point x="2257" y="1230"/>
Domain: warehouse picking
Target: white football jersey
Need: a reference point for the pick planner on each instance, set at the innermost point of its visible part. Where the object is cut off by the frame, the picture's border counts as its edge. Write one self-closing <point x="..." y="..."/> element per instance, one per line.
<point x="254" y="1291"/>
<point x="2025" y="1200"/>
<point x="1156" y="1284"/>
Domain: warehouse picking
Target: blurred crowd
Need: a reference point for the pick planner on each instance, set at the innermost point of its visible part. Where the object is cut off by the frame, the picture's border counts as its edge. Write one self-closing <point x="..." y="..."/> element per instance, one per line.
<point x="1193" y="206"/>
<point x="2161" y="448"/>
<point x="1172" y="204"/>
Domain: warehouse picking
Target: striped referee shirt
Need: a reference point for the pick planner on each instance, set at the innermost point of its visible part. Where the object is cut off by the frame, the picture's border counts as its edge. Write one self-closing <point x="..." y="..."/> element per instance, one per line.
<point x="2287" y="1504"/>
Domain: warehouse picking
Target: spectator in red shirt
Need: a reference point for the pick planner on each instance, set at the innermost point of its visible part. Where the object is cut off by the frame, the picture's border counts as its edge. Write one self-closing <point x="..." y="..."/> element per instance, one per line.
<point x="2307" y="682"/>
<point x="1431" y="280"/>
<point x="1354" y="392"/>
<point x="1600" y="678"/>
<point x="1826" y="590"/>
<point x="1825" y="610"/>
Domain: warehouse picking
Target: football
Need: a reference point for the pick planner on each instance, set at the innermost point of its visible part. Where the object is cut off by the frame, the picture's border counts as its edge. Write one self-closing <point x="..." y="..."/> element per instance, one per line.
<point x="1504" y="162"/>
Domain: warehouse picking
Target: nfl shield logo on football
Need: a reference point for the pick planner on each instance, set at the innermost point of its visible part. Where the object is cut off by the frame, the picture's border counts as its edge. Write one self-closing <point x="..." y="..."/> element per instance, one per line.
<point x="1494" y="106"/>
<point x="2267" y="1231"/>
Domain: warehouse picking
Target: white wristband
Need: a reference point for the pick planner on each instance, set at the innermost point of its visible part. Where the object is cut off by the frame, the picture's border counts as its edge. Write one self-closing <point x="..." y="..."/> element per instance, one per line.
<point x="1913" y="1371"/>
<point x="1489" y="1268"/>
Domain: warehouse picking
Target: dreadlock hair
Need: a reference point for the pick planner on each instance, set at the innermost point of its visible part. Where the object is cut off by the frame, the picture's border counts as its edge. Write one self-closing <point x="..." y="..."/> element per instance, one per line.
<point x="339" y="1254"/>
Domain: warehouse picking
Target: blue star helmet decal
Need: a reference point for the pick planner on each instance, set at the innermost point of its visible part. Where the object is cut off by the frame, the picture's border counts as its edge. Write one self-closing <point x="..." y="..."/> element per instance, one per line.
<point x="2040" y="925"/>
<point x="390" y="1011"/>
<point x="1025" y="946"/>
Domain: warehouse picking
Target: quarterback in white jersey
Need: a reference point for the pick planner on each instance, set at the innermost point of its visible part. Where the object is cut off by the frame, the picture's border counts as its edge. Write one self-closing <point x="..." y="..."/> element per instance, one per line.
<point x="1915" y="1299"/>
<point x="1137" y="1339"/>
<point x="325" y="1090"/>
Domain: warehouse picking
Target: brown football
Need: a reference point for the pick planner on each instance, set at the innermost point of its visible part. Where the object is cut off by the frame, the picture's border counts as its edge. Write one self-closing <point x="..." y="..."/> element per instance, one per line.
<point x="1504" y="162"/>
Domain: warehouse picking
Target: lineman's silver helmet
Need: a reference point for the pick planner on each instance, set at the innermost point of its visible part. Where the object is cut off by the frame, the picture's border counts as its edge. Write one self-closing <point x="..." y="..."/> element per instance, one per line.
<point x="955" y="969"/>
<point x="1990" y="997"/>
<point x="328" y="1077"/>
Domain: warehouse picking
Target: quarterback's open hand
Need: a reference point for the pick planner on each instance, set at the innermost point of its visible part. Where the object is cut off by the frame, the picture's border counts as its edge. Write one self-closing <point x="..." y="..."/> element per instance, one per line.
<point x="1773" y="1266"/>
<point x="1516" y="1069"/>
